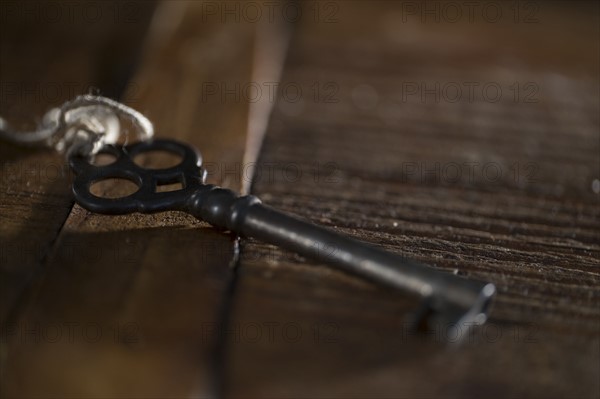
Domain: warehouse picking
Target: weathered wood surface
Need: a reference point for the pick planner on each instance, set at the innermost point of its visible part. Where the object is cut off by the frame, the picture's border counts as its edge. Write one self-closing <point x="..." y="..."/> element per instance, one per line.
<point x="138" y="300"/>
<point x="43" y="64"/>
<point x="364" y="164"/>
<point x="131" y="296"/>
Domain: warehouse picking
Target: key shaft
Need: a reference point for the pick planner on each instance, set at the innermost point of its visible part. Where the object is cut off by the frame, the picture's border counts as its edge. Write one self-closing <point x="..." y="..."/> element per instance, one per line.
<point x="454" y="299"/>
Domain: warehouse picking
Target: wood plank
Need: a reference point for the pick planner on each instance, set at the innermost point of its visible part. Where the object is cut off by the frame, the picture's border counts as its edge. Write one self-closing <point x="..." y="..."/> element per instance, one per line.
<point x="150" y="285"/>
<point x="365" y="164"/>
<point x="35" y="193"/>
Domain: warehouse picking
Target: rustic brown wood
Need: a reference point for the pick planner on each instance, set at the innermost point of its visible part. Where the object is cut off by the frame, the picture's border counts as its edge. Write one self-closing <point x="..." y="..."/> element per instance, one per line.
<point x="299" y="329"/>
<point x="48" y="54"/>
<point x="152" y="286"/>
<point x="132" y="306"/>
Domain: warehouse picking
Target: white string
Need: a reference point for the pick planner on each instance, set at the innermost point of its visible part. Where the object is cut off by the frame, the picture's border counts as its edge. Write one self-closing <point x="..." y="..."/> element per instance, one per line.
<point x="82" y="125"/>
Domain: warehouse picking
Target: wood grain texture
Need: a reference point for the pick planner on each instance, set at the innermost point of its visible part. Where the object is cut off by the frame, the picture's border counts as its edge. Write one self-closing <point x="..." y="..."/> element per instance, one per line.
<point x="134" y="296"/>
<point x="48" y="55"/>
<point x="132" y="306"/>
<point x="413" y="175"/>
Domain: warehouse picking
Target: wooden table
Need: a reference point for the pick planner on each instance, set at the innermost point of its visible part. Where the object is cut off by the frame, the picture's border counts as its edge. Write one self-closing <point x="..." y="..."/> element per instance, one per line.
<point x="470" y="143"/>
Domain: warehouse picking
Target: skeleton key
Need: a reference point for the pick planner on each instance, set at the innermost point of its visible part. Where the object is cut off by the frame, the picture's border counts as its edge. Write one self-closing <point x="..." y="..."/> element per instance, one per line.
<point x="448" y="297"/>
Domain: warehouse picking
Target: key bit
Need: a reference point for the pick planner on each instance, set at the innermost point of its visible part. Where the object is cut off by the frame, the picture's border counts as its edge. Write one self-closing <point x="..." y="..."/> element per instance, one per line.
<point x="448" y="298"/>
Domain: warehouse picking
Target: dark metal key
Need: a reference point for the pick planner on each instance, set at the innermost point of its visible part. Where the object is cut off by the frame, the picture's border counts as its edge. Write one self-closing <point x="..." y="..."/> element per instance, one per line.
<point x="448" y="297"/>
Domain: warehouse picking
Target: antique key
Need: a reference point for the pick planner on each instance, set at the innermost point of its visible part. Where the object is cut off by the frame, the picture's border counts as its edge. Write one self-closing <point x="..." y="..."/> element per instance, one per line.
<point x="448" y="297"/>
